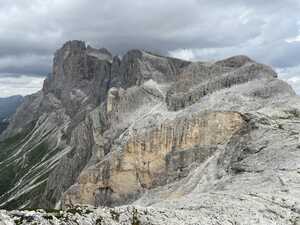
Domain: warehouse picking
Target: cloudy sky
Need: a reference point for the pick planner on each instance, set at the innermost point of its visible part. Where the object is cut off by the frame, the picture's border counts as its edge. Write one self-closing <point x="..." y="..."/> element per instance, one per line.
<point x="31" y="30"/>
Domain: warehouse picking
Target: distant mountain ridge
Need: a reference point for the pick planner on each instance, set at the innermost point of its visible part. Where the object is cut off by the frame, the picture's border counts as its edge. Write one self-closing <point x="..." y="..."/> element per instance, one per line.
<point x="8" y="106"/>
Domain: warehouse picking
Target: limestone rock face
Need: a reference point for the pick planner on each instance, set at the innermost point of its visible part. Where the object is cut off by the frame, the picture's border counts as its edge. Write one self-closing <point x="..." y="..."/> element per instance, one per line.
<point x="80" y="76"/>
<point x="178" y="142"/>
<point x="146" y="159"/>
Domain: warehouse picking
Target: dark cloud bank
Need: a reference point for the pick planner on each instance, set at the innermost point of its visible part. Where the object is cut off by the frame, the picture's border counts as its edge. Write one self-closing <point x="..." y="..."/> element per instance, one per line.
<point x="31" y="30"/>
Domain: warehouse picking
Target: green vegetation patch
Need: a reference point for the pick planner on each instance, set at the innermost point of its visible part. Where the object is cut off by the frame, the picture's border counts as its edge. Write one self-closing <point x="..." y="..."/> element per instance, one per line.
<point x="9" y="145"/>
<point x="11" y="173"/>
<point x="36" y="154"/>
<point x="33" y="195"/>
<point x="7" y="177"/>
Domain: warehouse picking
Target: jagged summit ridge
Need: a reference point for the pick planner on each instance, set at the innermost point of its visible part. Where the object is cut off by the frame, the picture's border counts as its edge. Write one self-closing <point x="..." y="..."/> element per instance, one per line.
<point x="157" y="132"/>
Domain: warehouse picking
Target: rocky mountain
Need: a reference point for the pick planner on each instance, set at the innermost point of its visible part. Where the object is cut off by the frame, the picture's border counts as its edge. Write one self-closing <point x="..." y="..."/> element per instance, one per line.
<point x="161" y="140"/>
<point x="8" y="107"/>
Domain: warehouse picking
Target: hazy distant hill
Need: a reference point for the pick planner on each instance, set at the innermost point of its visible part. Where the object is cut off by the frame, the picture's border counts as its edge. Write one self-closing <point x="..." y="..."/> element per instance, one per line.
<point x="7" y="107"/>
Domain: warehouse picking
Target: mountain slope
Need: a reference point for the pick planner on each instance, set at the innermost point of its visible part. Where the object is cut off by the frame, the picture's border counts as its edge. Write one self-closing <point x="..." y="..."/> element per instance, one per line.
<point x="183" y="142"/>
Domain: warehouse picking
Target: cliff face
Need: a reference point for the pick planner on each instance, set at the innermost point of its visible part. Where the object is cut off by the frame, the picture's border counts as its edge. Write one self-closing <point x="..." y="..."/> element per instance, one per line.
<point x="152" y="158"/>
<point x="205" y="143"/>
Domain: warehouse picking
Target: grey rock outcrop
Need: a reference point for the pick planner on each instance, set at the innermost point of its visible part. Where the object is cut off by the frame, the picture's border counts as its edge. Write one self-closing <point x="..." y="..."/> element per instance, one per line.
<point x="187" y="91"/>
<point x="178" y="142"/>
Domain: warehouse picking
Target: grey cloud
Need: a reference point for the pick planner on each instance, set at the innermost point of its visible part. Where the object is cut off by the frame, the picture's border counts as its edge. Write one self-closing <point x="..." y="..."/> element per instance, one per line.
<point x="25" y="64"/>
<point x="31" y="30"/>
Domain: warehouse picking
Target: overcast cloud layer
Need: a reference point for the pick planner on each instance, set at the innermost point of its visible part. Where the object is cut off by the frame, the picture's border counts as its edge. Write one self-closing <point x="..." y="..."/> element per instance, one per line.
<point x="31" y="30"/>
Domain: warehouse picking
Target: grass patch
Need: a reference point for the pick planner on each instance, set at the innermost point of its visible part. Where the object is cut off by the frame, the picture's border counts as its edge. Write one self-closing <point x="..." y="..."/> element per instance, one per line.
<point x="7" y="178"/>
<point x="33" y="195"/>
<point x="135" y="218"/>
<point x="9" y="145"/>
<point x="35" y="155"/>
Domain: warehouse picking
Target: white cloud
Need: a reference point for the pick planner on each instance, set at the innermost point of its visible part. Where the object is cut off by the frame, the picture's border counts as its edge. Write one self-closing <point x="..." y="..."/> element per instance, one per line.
<point x="291" y="75"/>
<point x="23" y="85"/>
<point x="186" y="54"/>
<point x="293" y="39"/>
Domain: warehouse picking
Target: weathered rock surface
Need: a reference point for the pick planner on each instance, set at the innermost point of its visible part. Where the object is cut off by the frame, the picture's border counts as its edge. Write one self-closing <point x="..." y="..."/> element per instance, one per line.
<point x="178" y="142"/>
<point x="150" y="158"/>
